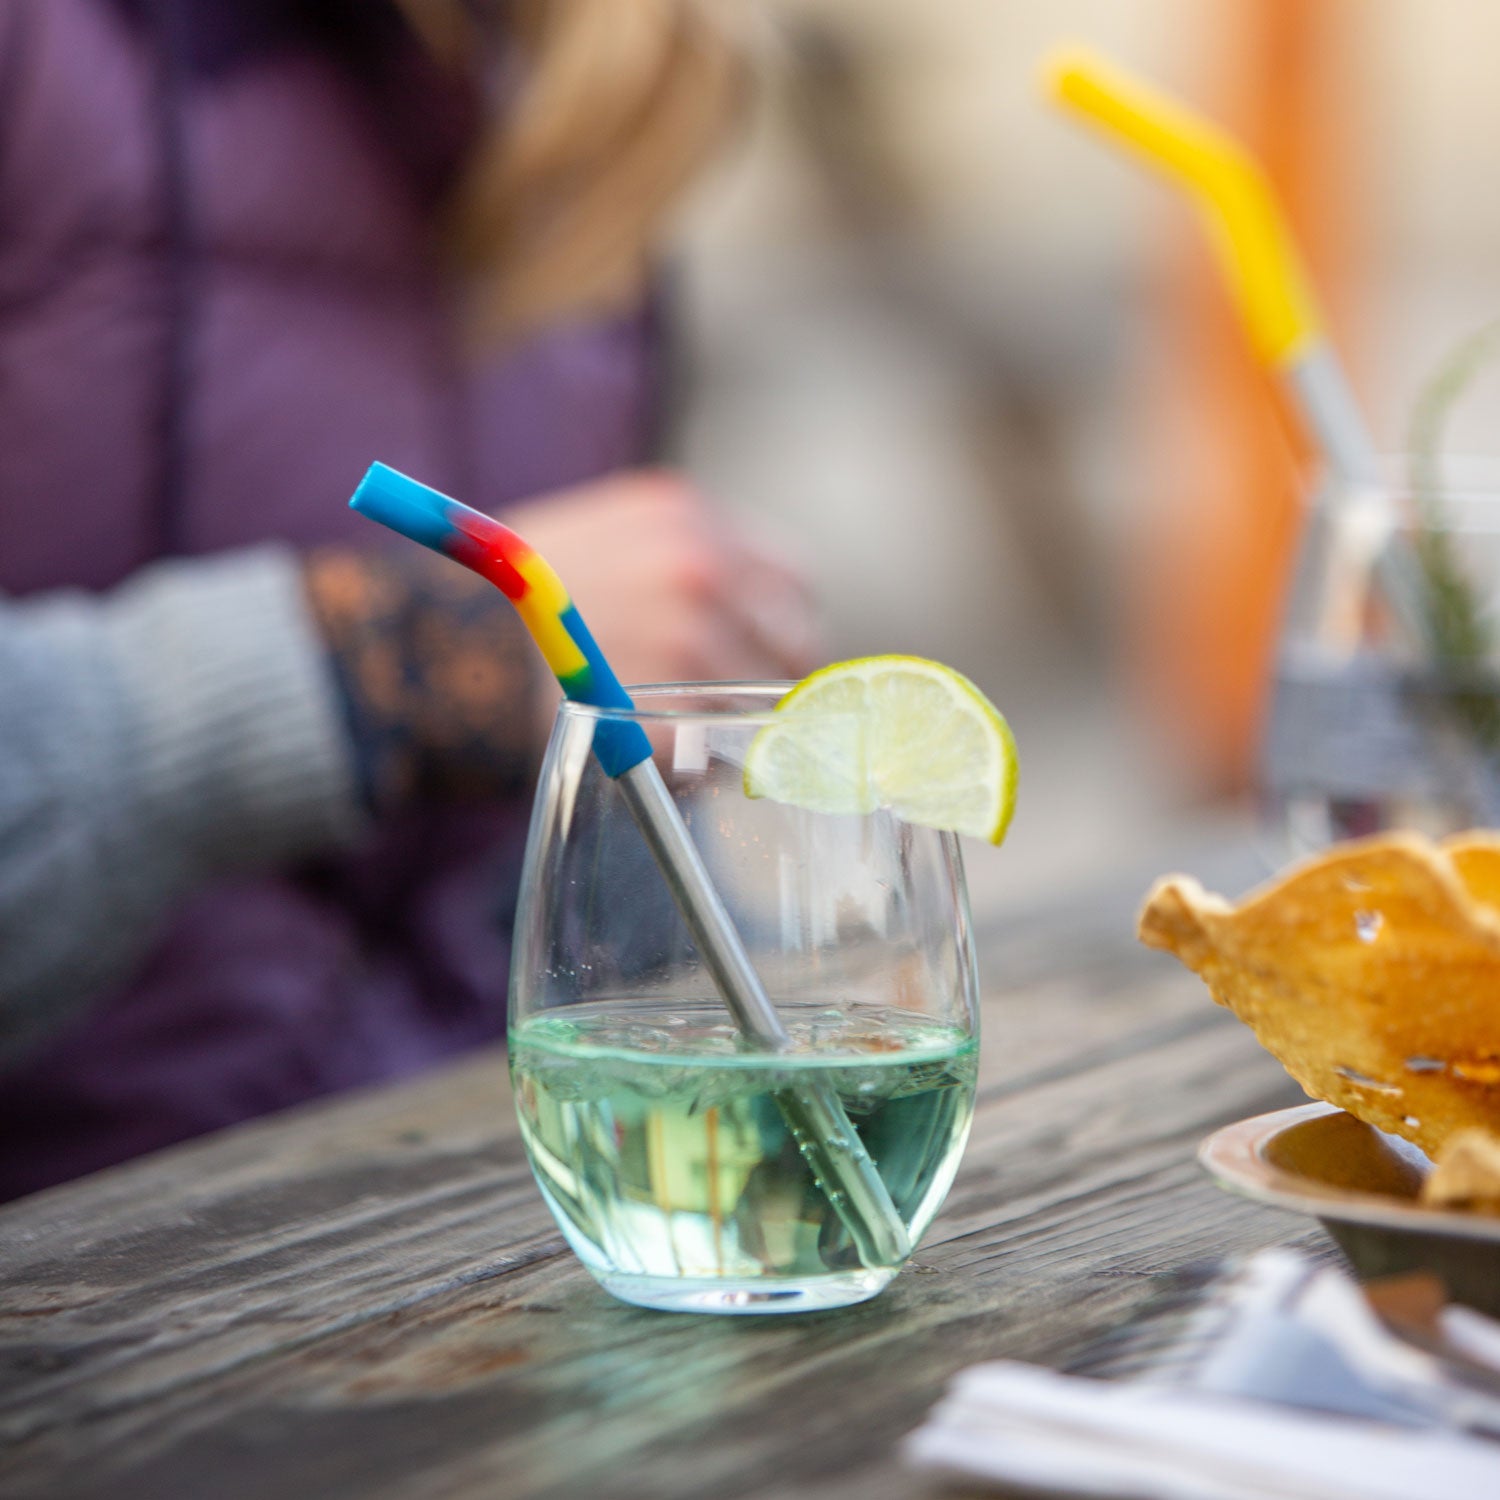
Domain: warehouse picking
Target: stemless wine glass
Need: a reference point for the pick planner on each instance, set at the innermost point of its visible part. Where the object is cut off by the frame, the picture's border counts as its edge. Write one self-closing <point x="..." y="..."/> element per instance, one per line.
<point x="1367" y="733"/>
<point x="668" y="1145"/>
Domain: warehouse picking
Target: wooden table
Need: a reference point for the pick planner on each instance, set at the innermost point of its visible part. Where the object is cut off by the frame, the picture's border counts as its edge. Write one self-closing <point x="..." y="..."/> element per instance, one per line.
<point x="367" y="1298"/>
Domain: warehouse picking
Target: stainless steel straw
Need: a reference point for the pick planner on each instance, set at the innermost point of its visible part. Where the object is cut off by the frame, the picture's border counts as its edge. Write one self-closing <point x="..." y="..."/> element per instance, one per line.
<point x="811" y="1108"/>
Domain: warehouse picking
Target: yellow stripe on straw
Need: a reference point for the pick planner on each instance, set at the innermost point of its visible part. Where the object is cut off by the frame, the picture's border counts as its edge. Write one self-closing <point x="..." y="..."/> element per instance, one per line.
<point x="542" y="608"/>
<point x="1244" y="222"/>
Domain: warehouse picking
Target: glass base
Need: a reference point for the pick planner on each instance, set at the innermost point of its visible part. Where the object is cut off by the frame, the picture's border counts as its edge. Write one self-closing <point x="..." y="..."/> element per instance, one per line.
<point x="741" y="1298"/>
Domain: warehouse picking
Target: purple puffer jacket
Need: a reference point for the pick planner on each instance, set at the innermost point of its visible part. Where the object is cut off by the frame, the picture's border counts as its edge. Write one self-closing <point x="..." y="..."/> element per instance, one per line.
<point x="217" y="306"/>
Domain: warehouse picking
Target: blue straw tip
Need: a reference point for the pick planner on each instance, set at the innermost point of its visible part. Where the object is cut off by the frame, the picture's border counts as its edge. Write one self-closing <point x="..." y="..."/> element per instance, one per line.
<point x="408" y="507"/>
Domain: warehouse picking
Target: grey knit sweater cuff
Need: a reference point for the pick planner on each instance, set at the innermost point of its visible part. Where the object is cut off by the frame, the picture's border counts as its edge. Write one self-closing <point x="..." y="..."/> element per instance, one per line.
<point x="241" y="756"/>
<point x="184" y="726"/>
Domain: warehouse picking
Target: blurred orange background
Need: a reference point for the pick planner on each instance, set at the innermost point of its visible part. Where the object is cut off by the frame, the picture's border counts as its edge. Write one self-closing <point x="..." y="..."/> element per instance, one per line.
<point x="984" y="372"/>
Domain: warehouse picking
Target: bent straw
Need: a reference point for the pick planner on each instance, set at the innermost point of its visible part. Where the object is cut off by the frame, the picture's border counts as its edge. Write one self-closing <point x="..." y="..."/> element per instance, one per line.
<point x="812" y="1111"/>
<point x="1264" y="272"/>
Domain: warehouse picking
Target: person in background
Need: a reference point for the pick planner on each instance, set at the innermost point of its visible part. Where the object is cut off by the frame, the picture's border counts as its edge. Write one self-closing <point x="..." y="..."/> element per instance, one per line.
<point x="263" y="779"/>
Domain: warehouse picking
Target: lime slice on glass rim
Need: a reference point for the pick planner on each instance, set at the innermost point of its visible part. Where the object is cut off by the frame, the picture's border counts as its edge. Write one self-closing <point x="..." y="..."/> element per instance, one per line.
<point x="897" y="732"/>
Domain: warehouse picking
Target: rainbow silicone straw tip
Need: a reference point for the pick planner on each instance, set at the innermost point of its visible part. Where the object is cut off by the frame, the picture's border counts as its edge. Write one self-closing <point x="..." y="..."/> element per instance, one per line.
<point x="528" y="580"/>
<point x="814" y="1113"/>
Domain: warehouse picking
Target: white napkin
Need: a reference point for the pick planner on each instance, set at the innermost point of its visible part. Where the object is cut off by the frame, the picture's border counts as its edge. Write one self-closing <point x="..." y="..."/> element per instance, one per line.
<point x="1276" y="1379"/>
<point x="1056" y="1434"/>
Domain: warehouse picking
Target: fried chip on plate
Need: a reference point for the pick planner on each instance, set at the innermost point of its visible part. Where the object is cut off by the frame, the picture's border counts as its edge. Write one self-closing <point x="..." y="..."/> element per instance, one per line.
<point x="1372" y="972"/>
<point x="1466" y="1174"/>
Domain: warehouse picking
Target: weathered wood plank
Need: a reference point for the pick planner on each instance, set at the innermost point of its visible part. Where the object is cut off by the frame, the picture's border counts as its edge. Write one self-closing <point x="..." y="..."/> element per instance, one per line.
<point x="369" y="1298"/>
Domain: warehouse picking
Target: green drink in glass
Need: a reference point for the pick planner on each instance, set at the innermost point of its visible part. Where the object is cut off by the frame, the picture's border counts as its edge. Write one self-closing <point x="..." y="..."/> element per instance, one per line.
<point x="665" y="1154"/>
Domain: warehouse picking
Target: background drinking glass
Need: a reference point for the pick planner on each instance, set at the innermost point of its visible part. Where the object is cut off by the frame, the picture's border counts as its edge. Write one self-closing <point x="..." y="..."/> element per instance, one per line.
<point x="1367" y="733"/>
<point x="666" y="1144"/>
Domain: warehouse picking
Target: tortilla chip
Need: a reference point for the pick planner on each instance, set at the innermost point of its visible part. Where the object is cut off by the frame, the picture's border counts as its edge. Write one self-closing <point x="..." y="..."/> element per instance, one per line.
<point x="1372" y="972"/>
<point x="1467" y="1174"/>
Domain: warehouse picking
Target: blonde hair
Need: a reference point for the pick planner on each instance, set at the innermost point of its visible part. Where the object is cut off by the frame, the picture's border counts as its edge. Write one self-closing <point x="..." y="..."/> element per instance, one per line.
<point x="619" y="101"/>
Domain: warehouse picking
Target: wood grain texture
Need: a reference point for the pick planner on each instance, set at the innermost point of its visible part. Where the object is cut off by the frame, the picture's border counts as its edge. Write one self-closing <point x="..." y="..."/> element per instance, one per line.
<point x="369" y="1298"/>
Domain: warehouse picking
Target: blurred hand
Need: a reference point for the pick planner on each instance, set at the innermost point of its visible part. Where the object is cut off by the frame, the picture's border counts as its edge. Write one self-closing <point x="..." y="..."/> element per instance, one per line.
<point x="671" y="590"/>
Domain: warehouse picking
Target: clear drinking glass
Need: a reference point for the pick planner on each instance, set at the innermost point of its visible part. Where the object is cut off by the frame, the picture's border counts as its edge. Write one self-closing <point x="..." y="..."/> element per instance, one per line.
<point x="1366" y="733"/>
<point x="672" y="1151"/>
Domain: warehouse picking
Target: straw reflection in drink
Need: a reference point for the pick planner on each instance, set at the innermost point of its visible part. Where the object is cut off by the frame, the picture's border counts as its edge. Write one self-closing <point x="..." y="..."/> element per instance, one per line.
<point x="673" y="1152"/>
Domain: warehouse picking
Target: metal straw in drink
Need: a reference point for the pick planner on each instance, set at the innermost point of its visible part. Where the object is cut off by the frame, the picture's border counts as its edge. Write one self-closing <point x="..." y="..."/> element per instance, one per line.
<point x="812" y="1110"/>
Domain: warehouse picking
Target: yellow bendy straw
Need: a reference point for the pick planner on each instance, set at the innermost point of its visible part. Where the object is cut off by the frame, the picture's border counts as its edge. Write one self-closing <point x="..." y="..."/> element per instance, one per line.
<point x="1231" y="190"/>
<point x="1261" y="263"/>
